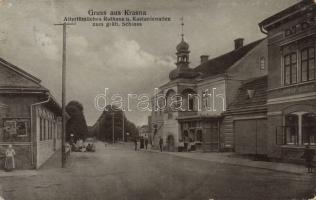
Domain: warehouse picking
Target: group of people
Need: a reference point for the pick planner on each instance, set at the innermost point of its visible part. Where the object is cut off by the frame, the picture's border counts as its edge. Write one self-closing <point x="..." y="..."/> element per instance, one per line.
<point x="143" y="143"/>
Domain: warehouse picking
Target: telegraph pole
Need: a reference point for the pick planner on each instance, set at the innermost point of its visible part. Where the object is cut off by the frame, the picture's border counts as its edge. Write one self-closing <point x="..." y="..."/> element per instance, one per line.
<point x="113" y="127"/>
<point x="123" y="126"/>
<point x="63" y="95"/>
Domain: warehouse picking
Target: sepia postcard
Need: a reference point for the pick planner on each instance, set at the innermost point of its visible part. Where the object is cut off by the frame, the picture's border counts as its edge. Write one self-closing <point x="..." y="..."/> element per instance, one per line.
<point x="157" y="100"/>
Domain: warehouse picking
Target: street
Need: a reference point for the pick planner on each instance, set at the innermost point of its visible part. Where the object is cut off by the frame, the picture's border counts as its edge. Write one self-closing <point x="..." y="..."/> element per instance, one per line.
<point x="119" y="172"/>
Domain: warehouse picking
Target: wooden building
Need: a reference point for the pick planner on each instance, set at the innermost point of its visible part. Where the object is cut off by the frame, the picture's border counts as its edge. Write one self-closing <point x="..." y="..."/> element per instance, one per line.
<point x="30" y="118"/>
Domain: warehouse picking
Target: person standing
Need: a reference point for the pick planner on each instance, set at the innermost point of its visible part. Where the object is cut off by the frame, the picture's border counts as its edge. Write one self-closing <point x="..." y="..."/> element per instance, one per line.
<point x="135" y="143"/>
<point x="160" y="143"/>
<point x="9" y="164"/>
<point x="309" y="156"/>
<point x="141" y="142"/>
<point x="146" y="142"/>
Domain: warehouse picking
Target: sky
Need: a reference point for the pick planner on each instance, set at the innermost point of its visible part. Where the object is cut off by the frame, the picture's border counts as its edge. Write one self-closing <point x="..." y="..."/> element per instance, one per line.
<point x="127" y="60"/>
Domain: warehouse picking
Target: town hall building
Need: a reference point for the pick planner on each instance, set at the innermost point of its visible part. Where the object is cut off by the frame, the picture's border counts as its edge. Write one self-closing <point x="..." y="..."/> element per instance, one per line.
<point x="205" y="92"/>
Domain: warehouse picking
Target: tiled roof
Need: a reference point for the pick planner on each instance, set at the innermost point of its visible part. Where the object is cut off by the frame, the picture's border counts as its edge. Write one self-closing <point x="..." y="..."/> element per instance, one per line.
<point x="259" y="99"/>
<point x="220" y="64"/>
<point x="292" y="10"/>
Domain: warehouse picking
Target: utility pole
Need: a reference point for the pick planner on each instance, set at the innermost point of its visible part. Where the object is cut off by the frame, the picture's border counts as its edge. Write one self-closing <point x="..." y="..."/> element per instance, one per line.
<point x="63" y="95"/>
<point x="123" y="126"/>
<point x="113" y="127"/>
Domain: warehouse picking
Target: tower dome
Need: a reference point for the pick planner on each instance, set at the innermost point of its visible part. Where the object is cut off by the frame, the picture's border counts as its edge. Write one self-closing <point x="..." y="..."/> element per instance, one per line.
<point x="183" y="70"/>
<point x="182" y="46"/>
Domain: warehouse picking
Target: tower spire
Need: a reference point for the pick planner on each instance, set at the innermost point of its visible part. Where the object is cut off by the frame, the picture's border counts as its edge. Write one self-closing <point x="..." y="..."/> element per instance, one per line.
<point x="182" y="24"/>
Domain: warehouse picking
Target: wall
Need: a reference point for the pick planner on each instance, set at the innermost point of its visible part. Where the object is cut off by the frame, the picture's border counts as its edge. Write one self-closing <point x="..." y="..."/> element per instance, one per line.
<point x="46" y="147"/>
<point x="18" y="106"/>
<point x="276" y="114"/>
<point x="249" y="66"/>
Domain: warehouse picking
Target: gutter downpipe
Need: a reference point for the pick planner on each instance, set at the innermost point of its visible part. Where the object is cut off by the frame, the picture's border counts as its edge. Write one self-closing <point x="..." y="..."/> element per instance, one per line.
<point x="262" y="30"/>
<point x="32" y="105"/>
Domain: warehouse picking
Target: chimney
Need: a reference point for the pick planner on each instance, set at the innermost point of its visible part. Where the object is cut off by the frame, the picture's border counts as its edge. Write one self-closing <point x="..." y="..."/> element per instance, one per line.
<point x="204" y="58"/>
<point x="239" y="42"/>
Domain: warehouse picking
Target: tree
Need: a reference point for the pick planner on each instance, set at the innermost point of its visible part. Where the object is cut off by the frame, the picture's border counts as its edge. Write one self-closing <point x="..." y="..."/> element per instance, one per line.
<point x="103" y="128"/>
<point x="77" y="124"/>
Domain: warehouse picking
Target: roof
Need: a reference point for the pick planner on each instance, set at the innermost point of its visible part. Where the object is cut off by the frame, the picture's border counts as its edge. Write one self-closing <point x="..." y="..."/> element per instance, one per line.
<point x="220" y="64"/>
<point x="19" y="71"/>
<point x="243" y="101"/>
<point x="34" y="88"/>
<point x="291" y="11"/>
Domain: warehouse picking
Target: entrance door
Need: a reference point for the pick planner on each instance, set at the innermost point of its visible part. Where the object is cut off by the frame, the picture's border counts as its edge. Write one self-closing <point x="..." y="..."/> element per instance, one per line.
<point x="170" y="143"/>
<point x="250" y="136"/>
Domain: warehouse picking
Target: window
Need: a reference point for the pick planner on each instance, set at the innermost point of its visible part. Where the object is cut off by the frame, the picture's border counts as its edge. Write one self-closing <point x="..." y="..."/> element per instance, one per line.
<point x="21" y="128"/>
<point x="262" y="63"/>
<point x="309" y="128"/>
<point x="199" y="136"/>
<point x="291" y="129"/>
<point x="308" y="64"/>
<point x="41" y="129"/>
<point x="299" y="129"/>
<point x="45" y="129"/>
<point x="191" y="103"/>
<point x="205" y="99"/>
<point x="15" y="130"/>
<point x="290" y="69"/>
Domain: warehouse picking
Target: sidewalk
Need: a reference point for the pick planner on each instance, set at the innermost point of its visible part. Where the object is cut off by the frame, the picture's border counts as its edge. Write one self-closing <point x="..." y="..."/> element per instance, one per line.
<point x="4" y="174"/>
<point x="231" y="158"/>
<point x="52" y="163"/>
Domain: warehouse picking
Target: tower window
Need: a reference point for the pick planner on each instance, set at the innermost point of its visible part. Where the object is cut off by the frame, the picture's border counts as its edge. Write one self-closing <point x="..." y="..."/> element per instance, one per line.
<point x="262" y="63"/>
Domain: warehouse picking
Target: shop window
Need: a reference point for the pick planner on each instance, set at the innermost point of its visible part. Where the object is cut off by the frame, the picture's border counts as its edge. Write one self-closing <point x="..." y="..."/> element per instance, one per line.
<point x="309" y="128"/>
<point x="192" y="135"/>
<point x="199" y="136"/>
<point x="290" y="69"/>
<point x="291" y="129"/>
<point x="15" y="129"/>
<point x="21" y="128"/>
<point x="308" y="64"/>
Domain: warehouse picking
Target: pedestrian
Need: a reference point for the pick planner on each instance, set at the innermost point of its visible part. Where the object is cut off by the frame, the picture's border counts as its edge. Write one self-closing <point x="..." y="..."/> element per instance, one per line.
<point x="146" y="142"/>
<point x="135" y="143"/>
<point x="160" y="143"/>
<point x="141" y="142"/>
<point x="308" y="155"/>
<point x="9" y="163"/>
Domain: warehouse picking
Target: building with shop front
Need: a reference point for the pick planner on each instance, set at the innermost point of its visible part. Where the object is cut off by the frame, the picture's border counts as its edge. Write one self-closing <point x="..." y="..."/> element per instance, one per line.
<point x="203" y="93"/>
<point x="30" y="118"/>
<point x="291" y="92"/>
